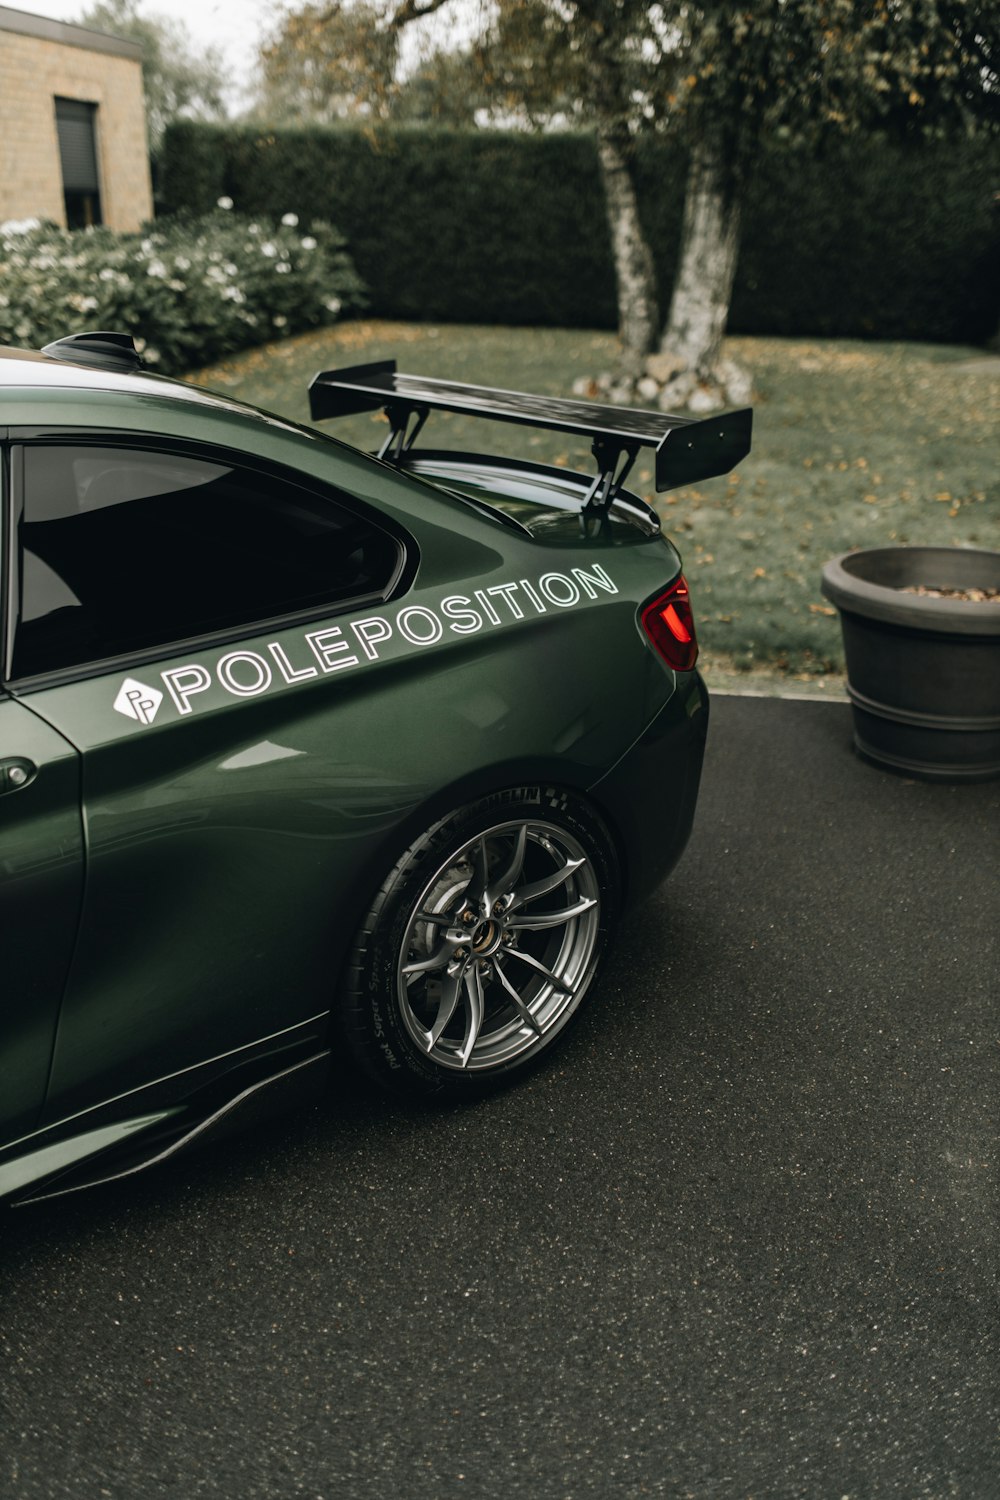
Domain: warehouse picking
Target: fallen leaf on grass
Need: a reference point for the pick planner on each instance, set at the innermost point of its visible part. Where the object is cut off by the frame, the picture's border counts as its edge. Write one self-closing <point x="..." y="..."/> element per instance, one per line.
<point x="822" y="609"/>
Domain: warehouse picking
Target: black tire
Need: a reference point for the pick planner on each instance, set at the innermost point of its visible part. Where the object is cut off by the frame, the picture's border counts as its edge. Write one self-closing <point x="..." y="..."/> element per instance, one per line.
<point x="482" y="943"/>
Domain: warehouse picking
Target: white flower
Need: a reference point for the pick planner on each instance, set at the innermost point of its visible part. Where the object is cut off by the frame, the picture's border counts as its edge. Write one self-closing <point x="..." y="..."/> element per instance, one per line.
<point x="156" y="268"/>
<point x="308" y="243"/>
<point x="182" y="263"/>
<point x="224" y="202"/>
<point x="269" y="248"/>
<point x="280" y="321"/>
<point x="290" y="219"/>
<point x="20" y="226"/>
<point x="283" y="267"/>
<point x="151" y="355"/>
<point x="332" y="304"/>
<point x="106" y="274"/>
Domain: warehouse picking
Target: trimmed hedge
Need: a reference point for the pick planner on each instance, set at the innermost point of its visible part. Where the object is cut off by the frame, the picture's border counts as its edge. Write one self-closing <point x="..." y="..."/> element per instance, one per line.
<point x="868" y="240"/>
<point x="447" y="224"/>
<point x="865" y="239"/>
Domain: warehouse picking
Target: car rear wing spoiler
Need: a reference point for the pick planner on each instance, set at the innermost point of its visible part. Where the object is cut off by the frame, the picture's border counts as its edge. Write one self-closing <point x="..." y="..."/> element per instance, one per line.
<point x="686" y="450"/>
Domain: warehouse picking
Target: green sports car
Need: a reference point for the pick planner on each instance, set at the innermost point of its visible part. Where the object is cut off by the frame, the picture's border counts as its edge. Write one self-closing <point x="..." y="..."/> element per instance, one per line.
<point x="309" y="752"/>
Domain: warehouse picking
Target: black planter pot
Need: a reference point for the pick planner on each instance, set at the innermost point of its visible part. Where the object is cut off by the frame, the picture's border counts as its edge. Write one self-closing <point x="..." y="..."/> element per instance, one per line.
<point x="923" y="675"/>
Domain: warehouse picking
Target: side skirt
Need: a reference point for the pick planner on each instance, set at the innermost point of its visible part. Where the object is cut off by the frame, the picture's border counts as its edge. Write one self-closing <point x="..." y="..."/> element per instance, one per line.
<point x="285" y="1090"/>
<point x="135" y="1129"/>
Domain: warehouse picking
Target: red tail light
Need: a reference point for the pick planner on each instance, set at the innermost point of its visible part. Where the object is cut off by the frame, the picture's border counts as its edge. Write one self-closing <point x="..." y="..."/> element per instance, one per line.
<point x="669" y="623"/>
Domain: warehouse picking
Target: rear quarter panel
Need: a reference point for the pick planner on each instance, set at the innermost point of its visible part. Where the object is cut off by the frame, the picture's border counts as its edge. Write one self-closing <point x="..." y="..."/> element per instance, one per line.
<point x="234" y="842"/>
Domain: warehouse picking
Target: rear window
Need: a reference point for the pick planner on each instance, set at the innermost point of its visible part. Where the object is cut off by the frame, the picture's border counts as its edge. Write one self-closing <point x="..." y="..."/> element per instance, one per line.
<point x="123" y="550"/>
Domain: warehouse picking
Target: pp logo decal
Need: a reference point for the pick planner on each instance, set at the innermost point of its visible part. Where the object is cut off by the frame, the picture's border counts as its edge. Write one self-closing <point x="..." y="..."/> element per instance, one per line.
<point x="137" y="701"/>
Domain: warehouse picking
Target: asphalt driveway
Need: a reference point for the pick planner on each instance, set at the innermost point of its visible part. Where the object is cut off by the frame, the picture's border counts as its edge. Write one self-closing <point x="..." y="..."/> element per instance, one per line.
<point x="740" y="1240"/>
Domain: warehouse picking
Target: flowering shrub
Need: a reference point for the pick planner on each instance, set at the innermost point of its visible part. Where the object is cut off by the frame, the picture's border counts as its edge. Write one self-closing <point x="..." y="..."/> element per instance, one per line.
<point x="189" y="291"/>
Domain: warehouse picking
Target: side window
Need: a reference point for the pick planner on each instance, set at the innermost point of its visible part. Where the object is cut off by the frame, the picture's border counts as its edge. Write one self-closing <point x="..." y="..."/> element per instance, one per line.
<point x="123" y="550"/>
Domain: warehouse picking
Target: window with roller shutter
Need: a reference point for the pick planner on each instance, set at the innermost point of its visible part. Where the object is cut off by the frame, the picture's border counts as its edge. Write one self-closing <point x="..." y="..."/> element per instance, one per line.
<point x="76" y="126"/>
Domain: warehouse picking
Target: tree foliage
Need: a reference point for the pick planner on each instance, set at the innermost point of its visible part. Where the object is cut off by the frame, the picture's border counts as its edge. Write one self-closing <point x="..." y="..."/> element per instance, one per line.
<point x="179" y="80"/>
<point x="446" y="88"/>
<point x="785" y="69"/>
<point x="801" y="68"/>
<point x="328" y="62"/>
<point x="341" y="60"/>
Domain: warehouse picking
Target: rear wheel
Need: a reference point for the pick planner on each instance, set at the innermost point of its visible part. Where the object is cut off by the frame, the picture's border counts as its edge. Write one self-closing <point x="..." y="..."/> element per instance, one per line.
<point x="482" y="943"/>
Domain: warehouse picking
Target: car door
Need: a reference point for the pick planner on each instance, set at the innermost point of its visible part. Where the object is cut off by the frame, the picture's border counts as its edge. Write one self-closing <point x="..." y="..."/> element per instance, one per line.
<point x="153" y="579"/>
<point x="41" y="879"/>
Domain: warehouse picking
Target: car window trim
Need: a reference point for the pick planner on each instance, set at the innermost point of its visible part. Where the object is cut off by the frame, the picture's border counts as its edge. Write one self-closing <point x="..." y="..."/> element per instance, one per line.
<point x="9" y="580"/>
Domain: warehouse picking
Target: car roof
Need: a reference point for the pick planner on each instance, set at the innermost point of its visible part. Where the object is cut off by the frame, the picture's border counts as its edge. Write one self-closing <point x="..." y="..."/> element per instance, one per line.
<point x="25" y="369"/>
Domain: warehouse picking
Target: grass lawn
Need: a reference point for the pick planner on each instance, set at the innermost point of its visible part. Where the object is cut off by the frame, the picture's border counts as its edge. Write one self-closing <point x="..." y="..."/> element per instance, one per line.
<point x="855" y="445"/>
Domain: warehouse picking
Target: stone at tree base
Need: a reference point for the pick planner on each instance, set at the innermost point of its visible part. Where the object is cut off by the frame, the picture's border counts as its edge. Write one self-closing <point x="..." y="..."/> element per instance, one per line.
<point x="622" y="392"/>
<point x="590" y="388"/>
<point x="663" y="367"/>
<point x="676" y="393"/>
<point x="727" y="385"/>
<point x="738" y="383"/>
<point x="705" y="399"/>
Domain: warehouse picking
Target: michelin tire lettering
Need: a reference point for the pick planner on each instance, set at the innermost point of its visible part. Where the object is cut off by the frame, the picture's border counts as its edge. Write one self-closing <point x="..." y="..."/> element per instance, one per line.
<point x="245" y="673"/>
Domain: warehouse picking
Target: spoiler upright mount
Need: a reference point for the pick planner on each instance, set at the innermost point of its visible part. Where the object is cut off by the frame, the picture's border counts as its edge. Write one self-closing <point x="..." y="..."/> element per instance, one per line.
<point x="686" y="449"/>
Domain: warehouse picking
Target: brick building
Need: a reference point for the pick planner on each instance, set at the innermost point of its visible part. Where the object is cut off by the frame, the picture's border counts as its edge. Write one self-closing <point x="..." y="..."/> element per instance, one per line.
<point x="72" y="125"/>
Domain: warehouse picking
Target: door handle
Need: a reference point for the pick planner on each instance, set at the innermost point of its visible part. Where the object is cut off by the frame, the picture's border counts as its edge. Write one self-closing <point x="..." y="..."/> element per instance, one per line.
<point x="16" y="772"/>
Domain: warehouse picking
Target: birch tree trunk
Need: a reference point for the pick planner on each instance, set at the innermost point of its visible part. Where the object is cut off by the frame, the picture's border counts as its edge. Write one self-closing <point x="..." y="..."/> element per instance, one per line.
<point x="690" y="358"/>
<point x="638" y="314"/>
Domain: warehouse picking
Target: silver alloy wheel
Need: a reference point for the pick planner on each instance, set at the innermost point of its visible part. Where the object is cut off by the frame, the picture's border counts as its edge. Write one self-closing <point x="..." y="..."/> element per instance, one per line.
<point x="500" y="948"/>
